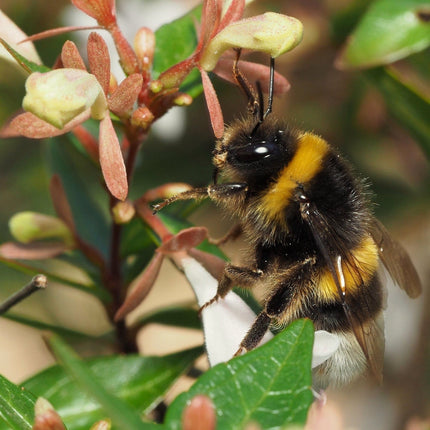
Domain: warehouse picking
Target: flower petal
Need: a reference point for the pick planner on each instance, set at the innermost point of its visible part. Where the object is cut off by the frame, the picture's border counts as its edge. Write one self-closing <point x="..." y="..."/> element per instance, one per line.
<point x="271" y="33"/>
<point x="111" y="160"/>
<point x="325" y="345"/>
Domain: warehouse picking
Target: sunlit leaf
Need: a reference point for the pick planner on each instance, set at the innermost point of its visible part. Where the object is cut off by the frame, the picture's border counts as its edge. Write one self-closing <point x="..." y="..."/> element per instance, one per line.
<point x="389" y="30"/>
<point x="270" y="385"/>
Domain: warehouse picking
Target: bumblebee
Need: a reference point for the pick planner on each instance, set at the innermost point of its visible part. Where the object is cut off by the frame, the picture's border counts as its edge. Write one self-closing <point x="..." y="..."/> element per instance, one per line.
<point x="314" y="246"/>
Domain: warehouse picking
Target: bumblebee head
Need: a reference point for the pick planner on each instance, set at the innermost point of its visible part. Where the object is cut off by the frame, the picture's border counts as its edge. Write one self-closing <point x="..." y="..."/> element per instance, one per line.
<point x="249" y="154"/>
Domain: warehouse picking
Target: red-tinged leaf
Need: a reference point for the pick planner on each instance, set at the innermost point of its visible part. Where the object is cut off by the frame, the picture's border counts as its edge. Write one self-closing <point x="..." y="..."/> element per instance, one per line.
<point x="32" y="251"/>
<point x="213" y="105"/>
<point x="88" y="141"/>
<point x="101" y="10"/>
<point x="213" y="264"/>
<point x="29" y="125"/>
<point x="57" y="31"/>
<point x="141" y="286"/>
<point x="61" y="204"/>
<point x="199" y="414"/>
<point x="184" y="240"/>
<point x="71" y="57"/>
<point x="124" y="97"/>
<point x="99" y="60"/>
<point x="210" y="20"/>
<point x="232" y="14"/>
<point x="254" y="72"/>
<point x="111" y="160"/>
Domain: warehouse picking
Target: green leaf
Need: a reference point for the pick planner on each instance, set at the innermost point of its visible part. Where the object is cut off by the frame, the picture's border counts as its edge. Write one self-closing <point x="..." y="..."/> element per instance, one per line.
<point x="176" y="41"/>
<point x="176" y="316"/>
<point x="270" y="385"/>
<point x="390" y="30"/>
<point x="137" y="381"/>
<point x="121" y="414"/>
<point x="48" y="327"/>
<point x="405" y="104"/>
<point x="78" y="175"/>
<point x="53" y="272"/>
<point x="16" y="406"/>
<point x="27" y="65"/>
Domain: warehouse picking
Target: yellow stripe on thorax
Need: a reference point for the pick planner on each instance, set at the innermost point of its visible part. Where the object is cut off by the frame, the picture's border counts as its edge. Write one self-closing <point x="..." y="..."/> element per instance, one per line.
<point x="356" y="272"/>
<point x="304" y="165"/>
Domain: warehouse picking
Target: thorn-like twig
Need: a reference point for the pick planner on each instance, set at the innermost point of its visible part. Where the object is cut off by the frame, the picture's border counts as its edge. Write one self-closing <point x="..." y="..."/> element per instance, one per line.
<point x="37" y="283"/>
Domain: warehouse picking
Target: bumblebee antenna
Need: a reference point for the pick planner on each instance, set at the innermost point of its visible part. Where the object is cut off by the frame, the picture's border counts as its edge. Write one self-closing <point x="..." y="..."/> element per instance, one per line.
<point x="271" y="87"/>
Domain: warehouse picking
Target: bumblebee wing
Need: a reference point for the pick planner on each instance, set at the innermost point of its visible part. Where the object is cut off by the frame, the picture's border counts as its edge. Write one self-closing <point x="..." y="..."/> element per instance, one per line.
<point x="369" y="331"/>
<point x="396" y="260"/>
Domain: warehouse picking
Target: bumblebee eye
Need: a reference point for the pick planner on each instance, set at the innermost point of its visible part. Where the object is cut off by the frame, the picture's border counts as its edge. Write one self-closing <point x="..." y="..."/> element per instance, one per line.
<point x="256" y="152"/>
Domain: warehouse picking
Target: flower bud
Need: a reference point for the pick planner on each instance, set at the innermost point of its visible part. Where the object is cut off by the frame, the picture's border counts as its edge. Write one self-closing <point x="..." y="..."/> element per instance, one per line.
<point x="60" y="95"/>
<point x="144" y="46"/>
<point x="45" y="416"/>
<point x="123" y="212"/>
<point x="142" y="117"/>
<point x="271" y="33"/>
<point x="101" y="425"/>
<point x="30" y="226"/>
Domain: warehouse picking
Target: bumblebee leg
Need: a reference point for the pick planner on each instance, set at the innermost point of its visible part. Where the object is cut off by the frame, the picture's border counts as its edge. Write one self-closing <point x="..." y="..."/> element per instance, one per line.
<point x="255" y="333"/>
<point x="216" y="192"/>
<point x="284" y="296"/>
<point x="195" y="193"/>
<point x="233" y="275"/>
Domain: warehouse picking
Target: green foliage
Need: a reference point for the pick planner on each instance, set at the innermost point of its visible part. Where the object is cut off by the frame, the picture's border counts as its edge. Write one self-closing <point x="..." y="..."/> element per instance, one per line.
<point x="270" y="385"/>
<point x="388" y="31"/>
<point x="16" y="406"/>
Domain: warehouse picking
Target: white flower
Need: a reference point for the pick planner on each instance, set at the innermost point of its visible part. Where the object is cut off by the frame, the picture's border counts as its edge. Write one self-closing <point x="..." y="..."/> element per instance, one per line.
<point x="226" y="322"/>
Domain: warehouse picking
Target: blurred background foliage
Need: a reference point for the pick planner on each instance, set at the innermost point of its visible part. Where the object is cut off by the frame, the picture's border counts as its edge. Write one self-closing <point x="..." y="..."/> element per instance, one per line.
<point x="381" y="126"/>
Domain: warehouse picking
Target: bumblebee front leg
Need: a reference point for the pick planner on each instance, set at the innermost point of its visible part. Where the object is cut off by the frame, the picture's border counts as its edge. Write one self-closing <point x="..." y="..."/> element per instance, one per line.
<point x="216" y="192"/>
<point x="234" y="275"/>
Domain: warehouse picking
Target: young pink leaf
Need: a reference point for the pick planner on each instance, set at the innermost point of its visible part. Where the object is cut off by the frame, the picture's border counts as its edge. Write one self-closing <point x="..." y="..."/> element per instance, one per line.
<point x="45" y="416"/>
<point x="184" y="240"/>
<point x="111" y="160"/>
<point x="124" y="97"/>
<point x="213" y="105"/>
<point x="101" y="10"/>
<point x="32" y="251"/>
<point x="141" y="287"/>
<point x="232" y="14"/>
<point x="213" y="264"/>
<point x="29" y="125"/>
<point x="71" y="57"/>
<point x="61" y="203"/>
<point x="99" y="60"/>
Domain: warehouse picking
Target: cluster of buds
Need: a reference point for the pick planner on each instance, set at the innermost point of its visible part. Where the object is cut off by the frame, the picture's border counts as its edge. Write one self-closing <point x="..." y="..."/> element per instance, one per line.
<point x="62" y="99"/>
